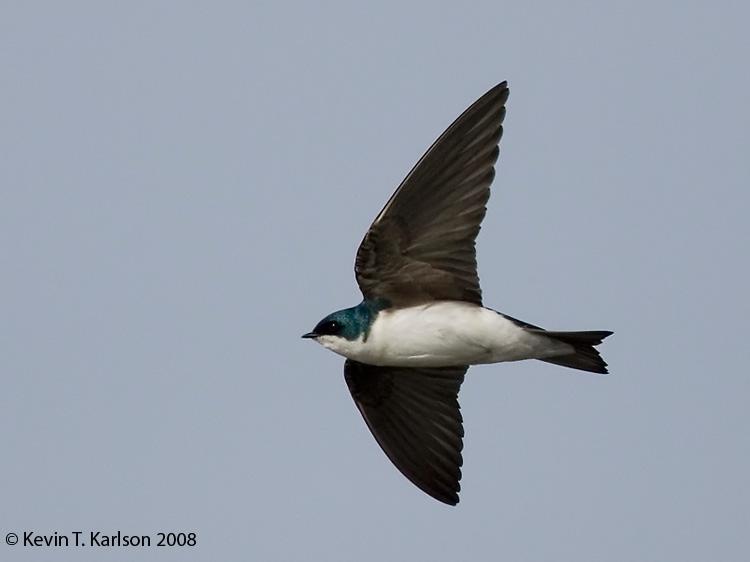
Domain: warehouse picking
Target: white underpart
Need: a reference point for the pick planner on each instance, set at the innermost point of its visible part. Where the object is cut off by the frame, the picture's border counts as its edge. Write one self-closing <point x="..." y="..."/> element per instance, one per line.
<point x="442" y="334"/>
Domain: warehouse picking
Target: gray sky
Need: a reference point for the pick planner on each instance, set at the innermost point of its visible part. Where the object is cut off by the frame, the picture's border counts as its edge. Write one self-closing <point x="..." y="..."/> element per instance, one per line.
<point x="184" y="188"/>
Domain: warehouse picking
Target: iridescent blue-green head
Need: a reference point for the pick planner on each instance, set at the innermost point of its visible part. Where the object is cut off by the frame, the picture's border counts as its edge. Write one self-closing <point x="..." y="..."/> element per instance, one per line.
<point x="350" y="324"/>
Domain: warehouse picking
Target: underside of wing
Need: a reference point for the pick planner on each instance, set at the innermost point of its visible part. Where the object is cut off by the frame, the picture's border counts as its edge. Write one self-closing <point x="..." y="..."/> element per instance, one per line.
<point x="421" y="246"/>
<point x="414" y="416"/>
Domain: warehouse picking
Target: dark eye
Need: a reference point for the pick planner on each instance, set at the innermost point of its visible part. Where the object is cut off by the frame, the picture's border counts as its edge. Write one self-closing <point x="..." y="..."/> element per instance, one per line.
<point x="328" y="327"/>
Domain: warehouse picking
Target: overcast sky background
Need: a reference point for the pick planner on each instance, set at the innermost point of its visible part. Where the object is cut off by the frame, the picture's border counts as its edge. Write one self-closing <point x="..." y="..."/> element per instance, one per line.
<point x="183" y="189"/>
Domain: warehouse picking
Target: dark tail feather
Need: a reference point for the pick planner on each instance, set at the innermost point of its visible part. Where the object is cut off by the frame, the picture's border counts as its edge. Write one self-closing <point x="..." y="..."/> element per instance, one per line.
<point x="585" y="357"/>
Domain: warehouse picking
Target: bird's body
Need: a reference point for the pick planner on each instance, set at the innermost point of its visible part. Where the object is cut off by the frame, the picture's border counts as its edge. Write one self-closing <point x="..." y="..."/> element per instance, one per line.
<point x="422" y="321"/>
<point x="444" y="334"/>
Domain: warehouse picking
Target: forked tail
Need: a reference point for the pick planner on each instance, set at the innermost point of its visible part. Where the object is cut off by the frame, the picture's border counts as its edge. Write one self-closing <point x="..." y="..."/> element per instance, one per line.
<point x="585" y="357"/>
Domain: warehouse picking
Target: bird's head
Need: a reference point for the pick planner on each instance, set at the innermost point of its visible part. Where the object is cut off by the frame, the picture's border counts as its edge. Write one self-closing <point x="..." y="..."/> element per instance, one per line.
<point x="339" y="324"/>
<point x="340" y="329"/>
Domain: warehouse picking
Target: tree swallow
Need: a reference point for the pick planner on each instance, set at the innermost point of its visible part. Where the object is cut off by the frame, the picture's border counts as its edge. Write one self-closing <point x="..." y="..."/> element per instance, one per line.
<point x="421" y="324"/>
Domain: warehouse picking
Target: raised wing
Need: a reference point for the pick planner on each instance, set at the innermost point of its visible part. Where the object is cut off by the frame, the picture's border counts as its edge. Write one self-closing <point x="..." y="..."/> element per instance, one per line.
<point x="421" y="246"/>
<point x="415" y="418"/>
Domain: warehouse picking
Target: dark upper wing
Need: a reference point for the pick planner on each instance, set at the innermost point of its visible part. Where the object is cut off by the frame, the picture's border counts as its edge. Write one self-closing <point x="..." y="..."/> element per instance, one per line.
<point x="415" y="418"/>
<point x="421" y="245"/>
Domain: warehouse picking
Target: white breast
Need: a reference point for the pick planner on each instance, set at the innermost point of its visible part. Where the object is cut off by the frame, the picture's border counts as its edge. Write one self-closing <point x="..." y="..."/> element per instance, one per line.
<point x="445" y="333"/>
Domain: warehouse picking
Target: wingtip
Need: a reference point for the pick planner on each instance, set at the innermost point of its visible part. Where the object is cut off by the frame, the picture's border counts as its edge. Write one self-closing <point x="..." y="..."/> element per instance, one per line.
<point x="451" y="499"/>
<point x="501" y="91"/>
<point x="502" y="87"/>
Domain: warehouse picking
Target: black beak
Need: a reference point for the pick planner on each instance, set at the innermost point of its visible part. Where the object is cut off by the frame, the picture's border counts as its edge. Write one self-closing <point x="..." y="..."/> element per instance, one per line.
<point x="310" y="335"/>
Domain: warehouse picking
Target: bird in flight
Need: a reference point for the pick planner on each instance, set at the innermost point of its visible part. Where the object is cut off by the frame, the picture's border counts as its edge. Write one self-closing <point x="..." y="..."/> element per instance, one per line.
<point x="421" y="323"/>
